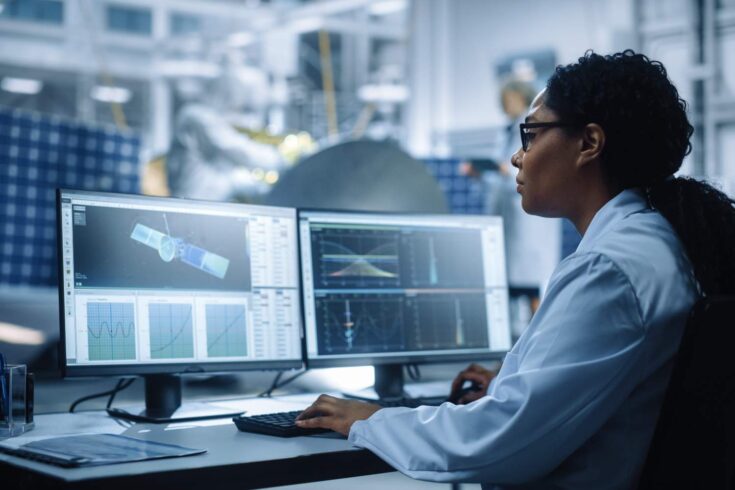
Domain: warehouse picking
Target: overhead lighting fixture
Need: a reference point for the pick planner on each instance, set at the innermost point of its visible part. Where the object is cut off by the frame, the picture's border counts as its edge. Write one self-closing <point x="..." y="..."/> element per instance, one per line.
<point x="111" y="95"/>
<point x="27" y="86"/>
<point x="307" y="24"/>
<point x="241" y="39"/>
<point x="189" y="68"/>
<point x="378" y="93"/>
<point x="386" y="7"/>
<point x="15" y="334"/>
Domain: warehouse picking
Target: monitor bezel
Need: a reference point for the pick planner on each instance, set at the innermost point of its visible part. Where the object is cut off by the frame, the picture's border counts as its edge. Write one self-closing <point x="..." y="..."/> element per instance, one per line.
<point x="161" y="368"/>
<point x="385" y="359"/>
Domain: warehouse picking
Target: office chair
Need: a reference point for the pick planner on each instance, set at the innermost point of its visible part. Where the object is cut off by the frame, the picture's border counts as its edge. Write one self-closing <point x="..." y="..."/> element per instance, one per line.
<point x="694" y="442"/>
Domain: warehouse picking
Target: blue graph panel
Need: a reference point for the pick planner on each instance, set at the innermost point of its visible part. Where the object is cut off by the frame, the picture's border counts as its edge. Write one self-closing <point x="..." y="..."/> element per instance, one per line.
<point x="110" y="331"/>
<point x="39" y="153"/>
<point x="171" y="334"/>
<point x="226" y="331"/>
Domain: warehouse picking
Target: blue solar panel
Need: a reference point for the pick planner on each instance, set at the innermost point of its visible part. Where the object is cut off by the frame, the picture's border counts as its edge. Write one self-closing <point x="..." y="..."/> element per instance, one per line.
<point x="39" y="153"/>
<point x="464" y="195"/>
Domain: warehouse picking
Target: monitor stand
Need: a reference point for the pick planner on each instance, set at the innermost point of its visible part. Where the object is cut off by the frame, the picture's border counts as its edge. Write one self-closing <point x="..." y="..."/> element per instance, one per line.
<point x="388" y="384"/>
<point x="163" y="404"/>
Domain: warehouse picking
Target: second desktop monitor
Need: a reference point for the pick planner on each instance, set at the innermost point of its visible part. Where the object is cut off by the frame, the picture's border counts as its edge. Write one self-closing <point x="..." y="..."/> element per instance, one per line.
<point x="392" y="289"/>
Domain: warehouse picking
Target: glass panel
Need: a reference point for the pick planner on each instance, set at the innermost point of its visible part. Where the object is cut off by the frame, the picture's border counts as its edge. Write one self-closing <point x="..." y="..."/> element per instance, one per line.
<point x="185" y="24"/>
<point x="129" y="20"/>
<point x="47" y="11"/>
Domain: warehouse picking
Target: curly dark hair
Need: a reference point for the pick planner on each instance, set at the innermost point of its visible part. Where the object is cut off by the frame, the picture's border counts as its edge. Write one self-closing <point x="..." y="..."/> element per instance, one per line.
<point x="647" y="137"/>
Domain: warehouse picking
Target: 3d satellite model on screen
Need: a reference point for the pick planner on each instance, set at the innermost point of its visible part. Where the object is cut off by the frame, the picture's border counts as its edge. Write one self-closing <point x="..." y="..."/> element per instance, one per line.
<point x="170" y="248"/>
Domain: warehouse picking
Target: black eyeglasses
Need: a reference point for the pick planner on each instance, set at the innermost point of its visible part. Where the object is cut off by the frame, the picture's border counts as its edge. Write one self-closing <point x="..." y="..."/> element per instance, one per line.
<point x="527" y="137"/>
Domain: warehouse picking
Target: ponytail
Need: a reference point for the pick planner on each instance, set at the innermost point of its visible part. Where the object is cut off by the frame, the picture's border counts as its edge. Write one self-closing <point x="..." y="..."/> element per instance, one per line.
<point x="704" y="220"/>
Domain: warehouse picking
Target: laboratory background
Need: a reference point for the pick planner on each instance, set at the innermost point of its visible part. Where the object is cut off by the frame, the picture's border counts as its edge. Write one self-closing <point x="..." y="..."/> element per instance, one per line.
<point x="367" y="105"/>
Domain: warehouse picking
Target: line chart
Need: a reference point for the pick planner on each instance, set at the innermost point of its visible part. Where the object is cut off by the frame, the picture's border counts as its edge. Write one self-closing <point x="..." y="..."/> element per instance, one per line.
<point x="171" y="334"/>
<point x="110" y="331"/>
<point x="226" y="330"/>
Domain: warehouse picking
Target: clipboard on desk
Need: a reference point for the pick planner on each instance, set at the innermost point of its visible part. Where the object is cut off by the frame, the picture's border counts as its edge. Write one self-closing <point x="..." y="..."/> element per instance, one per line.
<point x="96" y="449"/>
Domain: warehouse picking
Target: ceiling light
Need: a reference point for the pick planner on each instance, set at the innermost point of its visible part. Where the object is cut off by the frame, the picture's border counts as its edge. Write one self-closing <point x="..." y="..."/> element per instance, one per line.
<point x="386" y="7"/>
<point x="189" y="68"/>
<point x="21" y="85"/>
<point x="111" y="95"/>
<point x="383" y="93"/>
<point x="15" y="334"/>
<point x="240" y="39"/>
<point x="307" y="24"/>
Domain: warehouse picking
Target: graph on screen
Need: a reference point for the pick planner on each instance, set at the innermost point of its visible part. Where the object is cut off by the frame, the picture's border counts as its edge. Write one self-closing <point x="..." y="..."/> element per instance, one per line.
<point x="439" y="259"/>
<point x="226" y="330"/>
<point x="171" y="334"/>
<point x="110" y="331"/>
<point x="356" y="323"/>
<point x="447" y="321"/>
<point x="358" y="258"/>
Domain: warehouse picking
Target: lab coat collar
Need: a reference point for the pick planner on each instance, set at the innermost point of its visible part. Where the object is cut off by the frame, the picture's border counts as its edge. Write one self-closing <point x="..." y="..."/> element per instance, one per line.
<point x="628" y="202"/>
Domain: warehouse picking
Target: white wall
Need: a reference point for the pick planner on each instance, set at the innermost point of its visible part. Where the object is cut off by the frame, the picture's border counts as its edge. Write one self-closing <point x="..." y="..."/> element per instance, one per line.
<point x="456" y="43"/>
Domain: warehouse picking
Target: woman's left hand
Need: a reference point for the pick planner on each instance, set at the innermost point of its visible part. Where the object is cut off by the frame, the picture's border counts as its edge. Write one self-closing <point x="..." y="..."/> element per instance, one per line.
<point x="328" y="412"/>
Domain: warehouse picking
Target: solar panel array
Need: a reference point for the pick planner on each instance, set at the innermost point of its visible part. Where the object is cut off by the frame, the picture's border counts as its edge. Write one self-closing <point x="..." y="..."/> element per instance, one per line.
<point x="39" y="153"/>
<point x="464" y="195"/>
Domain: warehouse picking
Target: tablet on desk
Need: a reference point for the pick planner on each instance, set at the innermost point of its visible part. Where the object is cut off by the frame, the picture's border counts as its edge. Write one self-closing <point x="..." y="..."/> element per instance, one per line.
<point x="96" y="449"/>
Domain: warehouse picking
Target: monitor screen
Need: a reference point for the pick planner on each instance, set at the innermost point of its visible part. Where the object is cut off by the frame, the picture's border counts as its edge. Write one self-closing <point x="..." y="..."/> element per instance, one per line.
<point x="160" y="285"/>
<point x="387" y="289"/>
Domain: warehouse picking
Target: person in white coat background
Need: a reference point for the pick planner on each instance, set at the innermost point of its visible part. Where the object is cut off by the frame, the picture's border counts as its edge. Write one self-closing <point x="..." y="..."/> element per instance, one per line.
<point x="576" y="400"/>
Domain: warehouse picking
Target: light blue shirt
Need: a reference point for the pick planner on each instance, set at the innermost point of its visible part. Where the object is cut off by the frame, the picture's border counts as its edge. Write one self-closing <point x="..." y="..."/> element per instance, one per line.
<point x="576" y="401"/>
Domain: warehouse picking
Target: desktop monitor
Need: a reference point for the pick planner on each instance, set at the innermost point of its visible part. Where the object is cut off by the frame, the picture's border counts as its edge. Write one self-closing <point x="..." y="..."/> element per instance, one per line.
<point x="395" y="289"/>
<point x="161" y="286"/>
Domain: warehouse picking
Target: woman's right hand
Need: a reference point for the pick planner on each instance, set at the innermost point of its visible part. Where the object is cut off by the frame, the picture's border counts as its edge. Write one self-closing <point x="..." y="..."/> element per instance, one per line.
<point x="475" y="374"/>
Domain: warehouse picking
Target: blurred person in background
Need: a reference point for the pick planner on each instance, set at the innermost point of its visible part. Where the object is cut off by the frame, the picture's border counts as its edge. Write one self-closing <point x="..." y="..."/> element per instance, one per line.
<point x="533" y="244"/>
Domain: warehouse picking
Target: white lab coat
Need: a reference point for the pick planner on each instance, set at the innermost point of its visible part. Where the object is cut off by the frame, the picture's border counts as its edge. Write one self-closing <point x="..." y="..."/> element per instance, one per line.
<point x="576" y="401"/>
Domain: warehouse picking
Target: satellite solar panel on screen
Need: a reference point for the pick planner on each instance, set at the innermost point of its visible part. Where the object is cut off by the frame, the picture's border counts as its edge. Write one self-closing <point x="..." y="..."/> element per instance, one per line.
<point x="39" y="153"/>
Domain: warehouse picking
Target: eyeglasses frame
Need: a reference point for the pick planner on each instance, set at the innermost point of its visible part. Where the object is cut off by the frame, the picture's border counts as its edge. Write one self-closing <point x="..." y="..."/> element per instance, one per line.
<point x="550" y="124"/>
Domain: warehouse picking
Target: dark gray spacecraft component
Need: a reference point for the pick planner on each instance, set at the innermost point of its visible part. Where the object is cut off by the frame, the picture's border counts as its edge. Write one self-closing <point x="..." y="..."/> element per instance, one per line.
<point x="360" y="175"/>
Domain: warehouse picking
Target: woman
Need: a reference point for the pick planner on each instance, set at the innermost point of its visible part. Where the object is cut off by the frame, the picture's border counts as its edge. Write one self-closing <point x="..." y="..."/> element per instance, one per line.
<point x="576" y="401"/>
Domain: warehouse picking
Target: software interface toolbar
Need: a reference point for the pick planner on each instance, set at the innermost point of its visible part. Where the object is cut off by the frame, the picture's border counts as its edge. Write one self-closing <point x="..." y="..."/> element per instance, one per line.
<point x="173" y="281"/>
<point x="389" y="285"/>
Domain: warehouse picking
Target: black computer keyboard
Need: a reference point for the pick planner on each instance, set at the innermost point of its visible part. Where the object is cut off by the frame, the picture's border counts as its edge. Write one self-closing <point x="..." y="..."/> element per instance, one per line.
<point x="282" y="424"/>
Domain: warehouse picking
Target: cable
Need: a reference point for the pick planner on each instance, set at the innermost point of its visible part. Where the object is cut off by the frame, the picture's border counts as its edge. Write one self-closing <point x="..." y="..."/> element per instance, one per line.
<point x="267" y="393"/>
<point x="413" y="372"/>
<point x="276" y="385"/>
<point x="121" y="385"/>
<point x="118" y="388"/>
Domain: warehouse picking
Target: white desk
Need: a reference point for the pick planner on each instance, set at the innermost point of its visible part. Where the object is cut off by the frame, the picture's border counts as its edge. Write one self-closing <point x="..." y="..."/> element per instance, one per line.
<point x="233" y="458"/>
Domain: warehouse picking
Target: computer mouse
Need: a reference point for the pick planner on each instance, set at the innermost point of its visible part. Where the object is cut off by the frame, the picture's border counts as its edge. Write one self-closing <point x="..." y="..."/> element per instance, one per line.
<point x="468" y="387"/>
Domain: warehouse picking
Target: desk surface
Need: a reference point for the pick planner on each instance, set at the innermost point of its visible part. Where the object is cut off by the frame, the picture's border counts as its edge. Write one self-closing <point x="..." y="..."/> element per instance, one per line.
<point x="243" y="459"/>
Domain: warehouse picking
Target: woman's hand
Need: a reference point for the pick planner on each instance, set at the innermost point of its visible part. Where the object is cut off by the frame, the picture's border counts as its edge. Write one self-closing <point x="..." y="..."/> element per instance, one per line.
<point x="328" y="412"/>
<point x="476" y="374"/>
